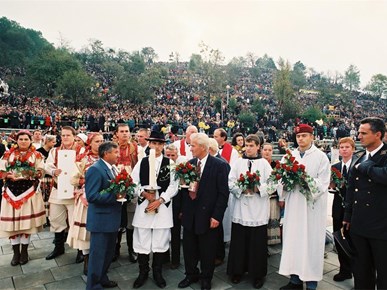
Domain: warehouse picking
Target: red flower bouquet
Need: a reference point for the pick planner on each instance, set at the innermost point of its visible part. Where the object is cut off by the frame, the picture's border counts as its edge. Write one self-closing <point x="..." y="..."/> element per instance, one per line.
<point x="122" y="185"/>
<point x="290" y="172"/>
<point x="186" y="172"/>
<point x="337" y="177"/>
<point x="249" y="182"/>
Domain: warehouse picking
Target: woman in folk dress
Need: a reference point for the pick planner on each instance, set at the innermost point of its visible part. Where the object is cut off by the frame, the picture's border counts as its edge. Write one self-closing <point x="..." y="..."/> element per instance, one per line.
<point x="79" y="237"/>
<point x="22" y="207"/>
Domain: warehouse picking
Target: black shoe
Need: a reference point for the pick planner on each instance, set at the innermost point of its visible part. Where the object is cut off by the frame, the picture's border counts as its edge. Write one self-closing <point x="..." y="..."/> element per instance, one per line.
<point x="109" y="284"/>
<point x="258" y="283"/>
<point x="141" y="279"/>
<point x="159" y="280"/>
<point x="79" y="258"/>
<point x="341" y="277"/>
<point x="186" y="282"/>
<point x="290" y="286"/>
<point x="206" y="285"/>
<point x="56" y="253"/>
<point x="236" y="279"/>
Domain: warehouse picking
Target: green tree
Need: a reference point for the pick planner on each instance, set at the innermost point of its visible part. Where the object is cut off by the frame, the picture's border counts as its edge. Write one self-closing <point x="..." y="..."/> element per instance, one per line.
<point x="44" y="72"/>
<point x="257" y="107"/>
<point x="247" y="119"/>
<point x="283" y="90"/>
<point x="136" y="64"/>
<point x="195" y="63"/>
<point x="235" y="68"/>
<point x="232" y="104"/>
<point x="377" y="85"/>
<point x="75" y="88"/>
<point x="19" y="45"/>
<point x="313" y="113"/>
<point x="298" y="75"/>
<point x="264" y="64"/>
<point x="149" y="55"/>
<point x="352" y="78"/>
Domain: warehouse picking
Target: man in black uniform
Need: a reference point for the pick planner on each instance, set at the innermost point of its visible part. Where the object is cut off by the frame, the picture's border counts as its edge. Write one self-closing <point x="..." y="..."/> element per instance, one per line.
<point x="366" y="207"/>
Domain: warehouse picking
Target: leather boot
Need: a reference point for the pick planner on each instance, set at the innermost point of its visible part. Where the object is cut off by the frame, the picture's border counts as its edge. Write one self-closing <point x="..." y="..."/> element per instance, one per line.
<point x="118" y="246"/>
<point x="129" y="242"/>
<point x="24" y="254"/>
<point x="59" y="246"/>
<point x="143" y="264"/>
<point x="158" y="259"/>
<point x="85" y="263"/>
<point x="16" y="255"/>
<point x="79" y="258"/>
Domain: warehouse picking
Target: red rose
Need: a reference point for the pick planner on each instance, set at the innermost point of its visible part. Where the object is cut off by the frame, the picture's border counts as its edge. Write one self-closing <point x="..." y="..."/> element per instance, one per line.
<point x="189" y="166"/>
<point x="184" y="170"/>
<point x="283" y="166"/>
<point x="242" y="179"/>
<point x="278" y="165"/>
<point x="257" y="178"/>
<point x="292" y="159"/>
<point x="302" y="167"/>
<point x="278" y="177"/>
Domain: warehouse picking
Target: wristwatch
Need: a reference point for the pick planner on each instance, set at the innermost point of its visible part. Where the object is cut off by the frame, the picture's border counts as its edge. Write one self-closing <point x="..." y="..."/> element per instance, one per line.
<point x="161" y="200"/>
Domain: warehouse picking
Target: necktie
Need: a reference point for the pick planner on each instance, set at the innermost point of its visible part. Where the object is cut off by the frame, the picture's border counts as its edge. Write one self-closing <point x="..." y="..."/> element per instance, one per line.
<point x="114" y="172"/>
<point x="249" y="164"/>
<point x="199" y="168"/>
<point x="345" y="172"/>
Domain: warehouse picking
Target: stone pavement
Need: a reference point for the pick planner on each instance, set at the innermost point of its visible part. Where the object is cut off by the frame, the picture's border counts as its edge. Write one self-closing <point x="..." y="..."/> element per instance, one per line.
<point x="63" y="273"/>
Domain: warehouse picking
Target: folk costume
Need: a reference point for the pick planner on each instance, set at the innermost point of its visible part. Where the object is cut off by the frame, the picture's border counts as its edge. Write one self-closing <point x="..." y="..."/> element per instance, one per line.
<point x="22" y="207"/>
<point x="250" y="215"/>
<point x="152" y="230"/>
<point x="78" y="237"/>
<point x="61" y="210"/>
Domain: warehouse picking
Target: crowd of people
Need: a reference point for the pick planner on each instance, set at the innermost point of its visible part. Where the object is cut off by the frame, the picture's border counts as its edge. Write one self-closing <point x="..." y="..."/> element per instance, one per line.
<point x="67" y="185"/>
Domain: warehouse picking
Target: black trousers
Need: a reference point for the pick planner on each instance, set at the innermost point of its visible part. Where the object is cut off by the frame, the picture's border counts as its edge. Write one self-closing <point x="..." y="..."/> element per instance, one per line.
<point x="248" y="251"/>
<point x="344" y="260"/>
<point x="220" y="247"/>
<point x="175" y="239"/>
<point x="200" y="248"/>
<point x="100" y="257"/>
<point x="370" y="262"/>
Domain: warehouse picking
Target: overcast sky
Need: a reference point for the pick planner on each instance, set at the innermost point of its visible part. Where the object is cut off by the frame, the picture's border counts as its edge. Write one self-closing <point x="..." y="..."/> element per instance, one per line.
<point x="325" y="35"/>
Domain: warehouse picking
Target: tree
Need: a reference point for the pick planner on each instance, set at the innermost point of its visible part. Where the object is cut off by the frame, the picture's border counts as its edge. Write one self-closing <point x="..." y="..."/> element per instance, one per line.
<point x="312" y="114"/>
<point x="257" y="107"/>
<point x="19" y="45"/>
<point x="283" y="90"/>
<point x="75" y="87"/>
<point x="195" y="63"/>
<point x="44" y="72"/>
<point x="264" y="64"/>
<point x="149" y="55"/>
<point x="377" y="85"/>
<point x="136" y="64"/>
<point x="298" y="75"/>
<point x="247" y="119"/>
<point x="235" y="68"/>
<point x="352" y="78"/>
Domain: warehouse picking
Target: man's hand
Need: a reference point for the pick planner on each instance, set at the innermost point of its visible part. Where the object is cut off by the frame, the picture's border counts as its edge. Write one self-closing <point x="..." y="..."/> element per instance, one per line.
<point x="346" y="225"/>
<point x="281" y="204"/>
<point x="153" y="205"/>
<point x="213" y="223"/>
<point x="148" y="196"/>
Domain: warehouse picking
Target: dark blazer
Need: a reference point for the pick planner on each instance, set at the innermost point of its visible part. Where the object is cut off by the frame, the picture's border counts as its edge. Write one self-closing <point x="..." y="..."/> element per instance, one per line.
<point x="366" y="205"/>
<point x="339" y="198"/>
<point x="104" y="212"/>
<point x="212" y="197"/>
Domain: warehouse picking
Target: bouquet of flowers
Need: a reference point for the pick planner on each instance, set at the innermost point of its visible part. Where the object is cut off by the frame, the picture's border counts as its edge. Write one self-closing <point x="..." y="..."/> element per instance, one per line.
<point x="122" y="185"/>
<point x="186" y="172"/>
<point x="249" y="182"/>
<point x="336" y="177"/>
<point x="291" y="173"/>
<point x="22" y="169"/>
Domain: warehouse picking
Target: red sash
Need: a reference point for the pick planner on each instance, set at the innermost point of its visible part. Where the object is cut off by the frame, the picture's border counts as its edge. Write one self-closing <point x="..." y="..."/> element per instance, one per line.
<point x="182" y="147"/>
<point x="226" y="152"/>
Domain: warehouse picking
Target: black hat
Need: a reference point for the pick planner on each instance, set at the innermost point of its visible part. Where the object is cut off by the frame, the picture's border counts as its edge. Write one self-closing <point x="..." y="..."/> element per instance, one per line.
<point x="156" y="136"/>
<point x="343" y="238"/>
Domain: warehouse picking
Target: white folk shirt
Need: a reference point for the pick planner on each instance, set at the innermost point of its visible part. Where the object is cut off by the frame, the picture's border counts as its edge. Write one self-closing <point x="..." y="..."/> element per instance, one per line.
<point x="163" y="219"/>
<point x="305" y="223"/>
<point x="250" y="211"/>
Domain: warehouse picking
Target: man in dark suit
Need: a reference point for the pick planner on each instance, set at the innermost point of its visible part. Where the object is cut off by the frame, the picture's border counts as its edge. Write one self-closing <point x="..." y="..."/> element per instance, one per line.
<point x="346" y="149"/>
<point x="366" y="207"/>
<point x="202" y="213"/>
<point x="103" y="217"/>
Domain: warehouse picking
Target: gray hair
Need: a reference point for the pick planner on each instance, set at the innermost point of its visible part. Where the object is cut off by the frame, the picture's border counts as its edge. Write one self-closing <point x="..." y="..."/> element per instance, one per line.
<point x="171" y="147"/>
<point x="213" y="145"/>
<point x="202" y="139"/>
<point x="106" y="147"/>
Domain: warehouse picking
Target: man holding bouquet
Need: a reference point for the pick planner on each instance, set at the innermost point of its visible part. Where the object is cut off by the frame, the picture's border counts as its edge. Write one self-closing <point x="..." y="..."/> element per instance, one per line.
<point x="305" y="214"/>
<point x="250" y="215"/>
<point x="103" y="216"/>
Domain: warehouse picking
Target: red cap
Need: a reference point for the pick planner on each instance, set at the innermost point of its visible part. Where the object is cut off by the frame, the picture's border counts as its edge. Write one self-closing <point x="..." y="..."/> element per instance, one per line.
<point x="303" y="128"/>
